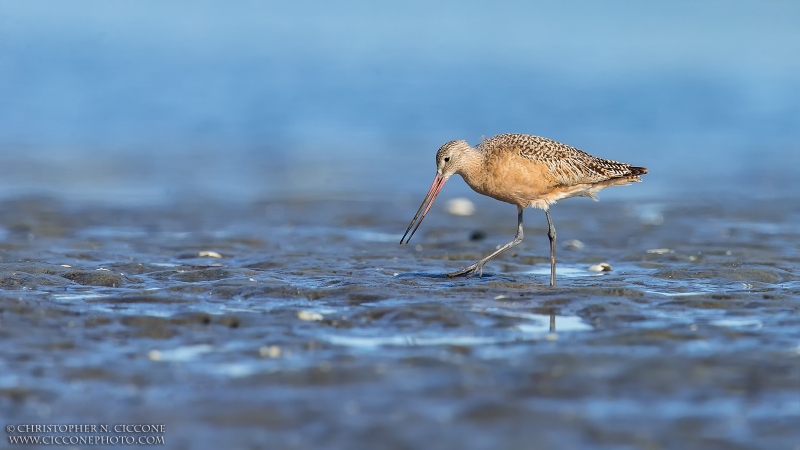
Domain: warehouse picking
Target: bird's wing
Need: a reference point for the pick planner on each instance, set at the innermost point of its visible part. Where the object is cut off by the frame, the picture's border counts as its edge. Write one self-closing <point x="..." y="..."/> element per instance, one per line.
<point x="569" y="165"/>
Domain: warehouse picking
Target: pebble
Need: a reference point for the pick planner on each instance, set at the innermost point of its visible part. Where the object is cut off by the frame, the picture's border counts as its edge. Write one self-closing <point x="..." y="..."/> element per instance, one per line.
<point x="309" y="315"/>
<point x="573" y="244"/>
<point x="602" y="267"/>
<point x="209" y="254"/>
<point x="460" y="206"/>
<point x="270" y="351"/>
<point x="477" y="235"/>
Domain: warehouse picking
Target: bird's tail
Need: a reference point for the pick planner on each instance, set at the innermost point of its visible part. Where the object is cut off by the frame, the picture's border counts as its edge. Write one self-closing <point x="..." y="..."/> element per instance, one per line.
<point x="638" y="170"/>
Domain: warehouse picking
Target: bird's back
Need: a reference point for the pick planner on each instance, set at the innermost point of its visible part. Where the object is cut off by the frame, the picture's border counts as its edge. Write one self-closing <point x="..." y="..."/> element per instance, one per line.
<point x="567" y="165"/>
<point x="528" y="170"/>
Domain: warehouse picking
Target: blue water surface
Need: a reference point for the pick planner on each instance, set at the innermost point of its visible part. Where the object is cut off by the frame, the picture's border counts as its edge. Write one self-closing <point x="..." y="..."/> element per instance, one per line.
<point x="143" y="100"/>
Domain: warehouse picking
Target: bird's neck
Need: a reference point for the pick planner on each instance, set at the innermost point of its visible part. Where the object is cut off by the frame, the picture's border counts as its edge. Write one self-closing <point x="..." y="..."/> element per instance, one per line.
<point x="471" y="167"/>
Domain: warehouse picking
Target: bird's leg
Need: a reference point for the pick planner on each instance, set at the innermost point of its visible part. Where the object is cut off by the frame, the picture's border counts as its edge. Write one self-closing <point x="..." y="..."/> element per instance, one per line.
<point x="478" y="266"/>
<point x="551" y="233"/>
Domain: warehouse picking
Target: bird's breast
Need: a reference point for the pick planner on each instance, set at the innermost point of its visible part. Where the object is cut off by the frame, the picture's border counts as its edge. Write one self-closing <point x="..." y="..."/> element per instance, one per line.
<point x="514" y="180"/>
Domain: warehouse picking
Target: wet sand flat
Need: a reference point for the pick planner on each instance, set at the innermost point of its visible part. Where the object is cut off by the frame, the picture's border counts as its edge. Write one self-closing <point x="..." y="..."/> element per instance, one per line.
<point x="303" y="324"/>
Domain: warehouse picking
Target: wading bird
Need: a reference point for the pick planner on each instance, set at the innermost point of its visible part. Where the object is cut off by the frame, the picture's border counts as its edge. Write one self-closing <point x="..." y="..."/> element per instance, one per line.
<point x="526" y="171"/>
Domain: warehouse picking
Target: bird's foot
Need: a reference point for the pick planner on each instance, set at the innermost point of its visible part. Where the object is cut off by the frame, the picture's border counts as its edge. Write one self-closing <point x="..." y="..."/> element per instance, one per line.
<point x="476" y="268"/>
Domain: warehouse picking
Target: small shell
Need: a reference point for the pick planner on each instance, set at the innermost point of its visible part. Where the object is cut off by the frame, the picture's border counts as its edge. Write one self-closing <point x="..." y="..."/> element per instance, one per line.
<point x="460" y="207"/>
<point x="573" y="244"/>
<point x="309" y="315"/>
<point x="270" y="351"/>
<point x="602" y="267"/>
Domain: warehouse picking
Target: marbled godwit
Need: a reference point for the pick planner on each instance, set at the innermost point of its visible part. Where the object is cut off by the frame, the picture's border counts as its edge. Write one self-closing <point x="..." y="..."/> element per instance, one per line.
<point x="525" y="171"/>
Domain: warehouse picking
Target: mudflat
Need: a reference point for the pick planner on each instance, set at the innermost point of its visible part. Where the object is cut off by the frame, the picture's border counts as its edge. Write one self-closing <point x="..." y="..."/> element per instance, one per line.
<point x="303" y="324"/>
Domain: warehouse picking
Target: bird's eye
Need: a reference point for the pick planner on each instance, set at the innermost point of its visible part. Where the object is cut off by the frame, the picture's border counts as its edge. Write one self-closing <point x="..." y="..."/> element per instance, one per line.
<point x="447" y="159"/>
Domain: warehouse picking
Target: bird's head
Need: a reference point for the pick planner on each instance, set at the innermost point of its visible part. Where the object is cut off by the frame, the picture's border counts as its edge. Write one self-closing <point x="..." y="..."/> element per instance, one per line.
<point x="450" y="158"/>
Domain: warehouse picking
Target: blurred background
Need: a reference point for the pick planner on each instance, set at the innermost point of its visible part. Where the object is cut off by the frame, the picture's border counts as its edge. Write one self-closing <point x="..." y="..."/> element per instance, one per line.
<point x="152" y="101"/>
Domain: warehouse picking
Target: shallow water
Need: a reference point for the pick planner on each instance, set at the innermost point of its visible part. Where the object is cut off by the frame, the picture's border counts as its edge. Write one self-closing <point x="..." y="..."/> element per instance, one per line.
<point x="303" y="324"/>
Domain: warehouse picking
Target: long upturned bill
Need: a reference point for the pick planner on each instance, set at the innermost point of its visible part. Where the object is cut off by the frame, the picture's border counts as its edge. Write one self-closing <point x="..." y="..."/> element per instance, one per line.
<point x="436" y="186"/>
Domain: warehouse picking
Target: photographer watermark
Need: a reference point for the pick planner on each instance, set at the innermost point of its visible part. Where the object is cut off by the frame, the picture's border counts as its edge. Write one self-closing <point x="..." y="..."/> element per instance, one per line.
<point x="86" y="434"/>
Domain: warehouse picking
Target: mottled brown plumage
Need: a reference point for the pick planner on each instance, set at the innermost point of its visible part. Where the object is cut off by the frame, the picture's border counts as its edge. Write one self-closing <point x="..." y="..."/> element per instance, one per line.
<point x="526" y="171"/>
